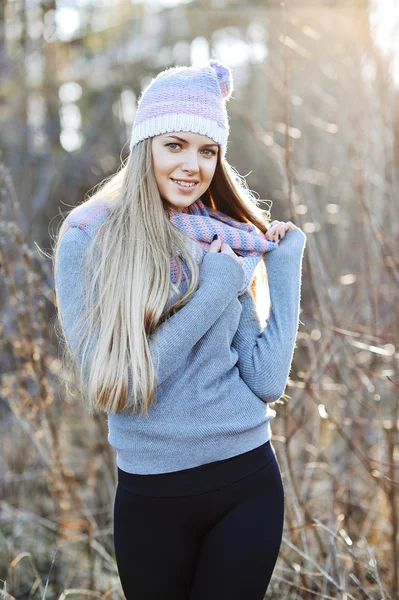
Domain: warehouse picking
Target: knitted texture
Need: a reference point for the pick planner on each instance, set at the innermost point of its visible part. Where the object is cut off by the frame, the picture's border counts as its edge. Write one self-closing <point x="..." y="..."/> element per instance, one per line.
<point x="199" y="222"/>
<point x="186" y="99"/>
<point x="217" y="368"/>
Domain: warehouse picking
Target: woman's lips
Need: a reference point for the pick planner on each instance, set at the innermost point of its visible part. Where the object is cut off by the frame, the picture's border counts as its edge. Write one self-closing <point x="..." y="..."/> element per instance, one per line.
<point x="185" y="189"/>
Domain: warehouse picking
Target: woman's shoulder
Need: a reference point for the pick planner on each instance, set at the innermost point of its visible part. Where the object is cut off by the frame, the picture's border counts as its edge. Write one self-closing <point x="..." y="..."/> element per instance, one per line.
<point x="89" y="216"/>
<point x="83" y="223"/>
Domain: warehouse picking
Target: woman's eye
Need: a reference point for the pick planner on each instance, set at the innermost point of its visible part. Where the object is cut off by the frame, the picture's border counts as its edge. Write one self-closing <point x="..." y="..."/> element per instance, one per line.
<point x="212" y="152"/>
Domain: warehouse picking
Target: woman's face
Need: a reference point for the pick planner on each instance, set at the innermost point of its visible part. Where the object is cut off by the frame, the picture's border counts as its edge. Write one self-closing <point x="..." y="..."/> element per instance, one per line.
<point x="187" y="157"/>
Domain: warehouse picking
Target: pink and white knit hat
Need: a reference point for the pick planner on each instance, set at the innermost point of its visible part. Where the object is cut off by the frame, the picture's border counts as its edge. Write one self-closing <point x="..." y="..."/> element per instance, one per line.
<point x="186" y="99"/>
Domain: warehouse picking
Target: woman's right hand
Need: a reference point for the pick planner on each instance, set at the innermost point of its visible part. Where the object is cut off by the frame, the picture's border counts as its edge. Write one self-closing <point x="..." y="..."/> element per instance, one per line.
<point x="217" y="246"/>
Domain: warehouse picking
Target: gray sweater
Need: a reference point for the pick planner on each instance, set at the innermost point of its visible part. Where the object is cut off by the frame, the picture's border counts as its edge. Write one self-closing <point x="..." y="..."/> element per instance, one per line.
<point x="217" y="368"/>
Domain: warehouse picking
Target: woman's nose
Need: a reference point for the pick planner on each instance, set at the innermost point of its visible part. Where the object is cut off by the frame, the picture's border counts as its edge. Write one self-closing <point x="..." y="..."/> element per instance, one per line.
<point x="191" y="164"/>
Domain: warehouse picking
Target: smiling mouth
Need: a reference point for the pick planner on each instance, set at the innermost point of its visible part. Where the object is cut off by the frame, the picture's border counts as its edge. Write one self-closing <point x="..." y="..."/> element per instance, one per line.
<point x="185" y="187"/>
<point x="185" y="180"/>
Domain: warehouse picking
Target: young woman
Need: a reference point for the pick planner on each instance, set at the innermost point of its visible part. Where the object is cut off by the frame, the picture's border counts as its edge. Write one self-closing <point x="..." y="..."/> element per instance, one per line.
<point x="161" y="278"/>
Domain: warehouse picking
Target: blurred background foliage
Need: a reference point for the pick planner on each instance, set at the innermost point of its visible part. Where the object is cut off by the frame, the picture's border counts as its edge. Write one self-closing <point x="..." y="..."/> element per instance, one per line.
<point x="315" y="128"/>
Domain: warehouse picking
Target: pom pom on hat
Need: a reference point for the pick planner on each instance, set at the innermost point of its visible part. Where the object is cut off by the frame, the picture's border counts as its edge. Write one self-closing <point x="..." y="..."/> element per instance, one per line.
<point x="225" y="78"/>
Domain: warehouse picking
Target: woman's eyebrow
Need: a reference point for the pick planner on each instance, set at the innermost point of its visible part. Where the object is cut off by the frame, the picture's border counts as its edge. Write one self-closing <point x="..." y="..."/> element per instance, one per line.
<point x="182" y="140"/>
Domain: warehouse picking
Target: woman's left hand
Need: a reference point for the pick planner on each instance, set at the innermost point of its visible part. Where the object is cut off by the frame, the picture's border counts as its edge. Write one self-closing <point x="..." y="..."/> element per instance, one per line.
<point x="278" y="229"/>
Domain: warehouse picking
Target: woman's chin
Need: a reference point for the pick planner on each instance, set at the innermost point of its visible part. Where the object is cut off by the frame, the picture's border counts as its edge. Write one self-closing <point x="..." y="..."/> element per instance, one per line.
<point x="179" y="204"/>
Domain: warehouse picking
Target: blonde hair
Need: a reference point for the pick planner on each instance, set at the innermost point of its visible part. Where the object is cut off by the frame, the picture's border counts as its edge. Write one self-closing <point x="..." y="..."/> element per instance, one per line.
<point x="127" y="285"/>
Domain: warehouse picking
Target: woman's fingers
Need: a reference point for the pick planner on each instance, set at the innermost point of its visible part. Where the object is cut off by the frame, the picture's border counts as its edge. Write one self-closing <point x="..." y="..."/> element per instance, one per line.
<point x="228" y="250"/>
<point x="278" y="229"/>
<point x="274" y="230"/>
<point x="215" y="246"/>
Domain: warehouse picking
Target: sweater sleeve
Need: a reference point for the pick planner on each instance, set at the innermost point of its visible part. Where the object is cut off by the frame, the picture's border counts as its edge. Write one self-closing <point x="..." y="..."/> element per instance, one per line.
<point x="221" y="278"/>
<point x="265" y="355"/>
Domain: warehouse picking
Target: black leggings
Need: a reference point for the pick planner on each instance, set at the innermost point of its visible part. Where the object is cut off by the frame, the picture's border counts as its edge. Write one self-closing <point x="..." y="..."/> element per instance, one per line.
<point x="205" y="533"/>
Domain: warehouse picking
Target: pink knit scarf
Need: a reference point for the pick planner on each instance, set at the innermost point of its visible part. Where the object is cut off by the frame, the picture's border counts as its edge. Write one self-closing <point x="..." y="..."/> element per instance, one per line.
<point x="199" y="222"/>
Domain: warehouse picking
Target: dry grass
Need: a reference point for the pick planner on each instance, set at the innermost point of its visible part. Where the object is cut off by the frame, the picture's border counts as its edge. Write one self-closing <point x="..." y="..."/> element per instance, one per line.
<point x="56" y="528"/>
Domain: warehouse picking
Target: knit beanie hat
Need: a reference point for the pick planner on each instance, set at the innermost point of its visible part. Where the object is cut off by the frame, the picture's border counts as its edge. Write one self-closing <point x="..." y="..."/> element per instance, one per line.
<point x="186" y="99"/>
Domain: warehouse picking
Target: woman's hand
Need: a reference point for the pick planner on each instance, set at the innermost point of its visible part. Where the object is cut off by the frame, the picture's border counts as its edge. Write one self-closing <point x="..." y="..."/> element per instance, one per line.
<point x="217" y="246"/>
<point x="278" y="229"/>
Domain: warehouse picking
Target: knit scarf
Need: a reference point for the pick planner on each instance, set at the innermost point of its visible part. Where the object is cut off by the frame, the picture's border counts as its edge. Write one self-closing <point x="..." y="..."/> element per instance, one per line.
<point x="199" y="222"/>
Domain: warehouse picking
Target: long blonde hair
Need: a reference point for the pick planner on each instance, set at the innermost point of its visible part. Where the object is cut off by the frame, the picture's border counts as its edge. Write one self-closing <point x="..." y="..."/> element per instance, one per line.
<point x="127" y="285"/>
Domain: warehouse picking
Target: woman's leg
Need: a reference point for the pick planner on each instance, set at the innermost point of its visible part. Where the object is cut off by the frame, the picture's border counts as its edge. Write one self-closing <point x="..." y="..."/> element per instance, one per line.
<point x="239" y="553"/>
<point x="156" y="546"/>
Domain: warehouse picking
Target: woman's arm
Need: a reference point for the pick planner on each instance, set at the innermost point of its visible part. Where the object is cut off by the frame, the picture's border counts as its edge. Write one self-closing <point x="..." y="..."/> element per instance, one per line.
<point x="265" y="355"/>
<point x="221" y="279"/>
